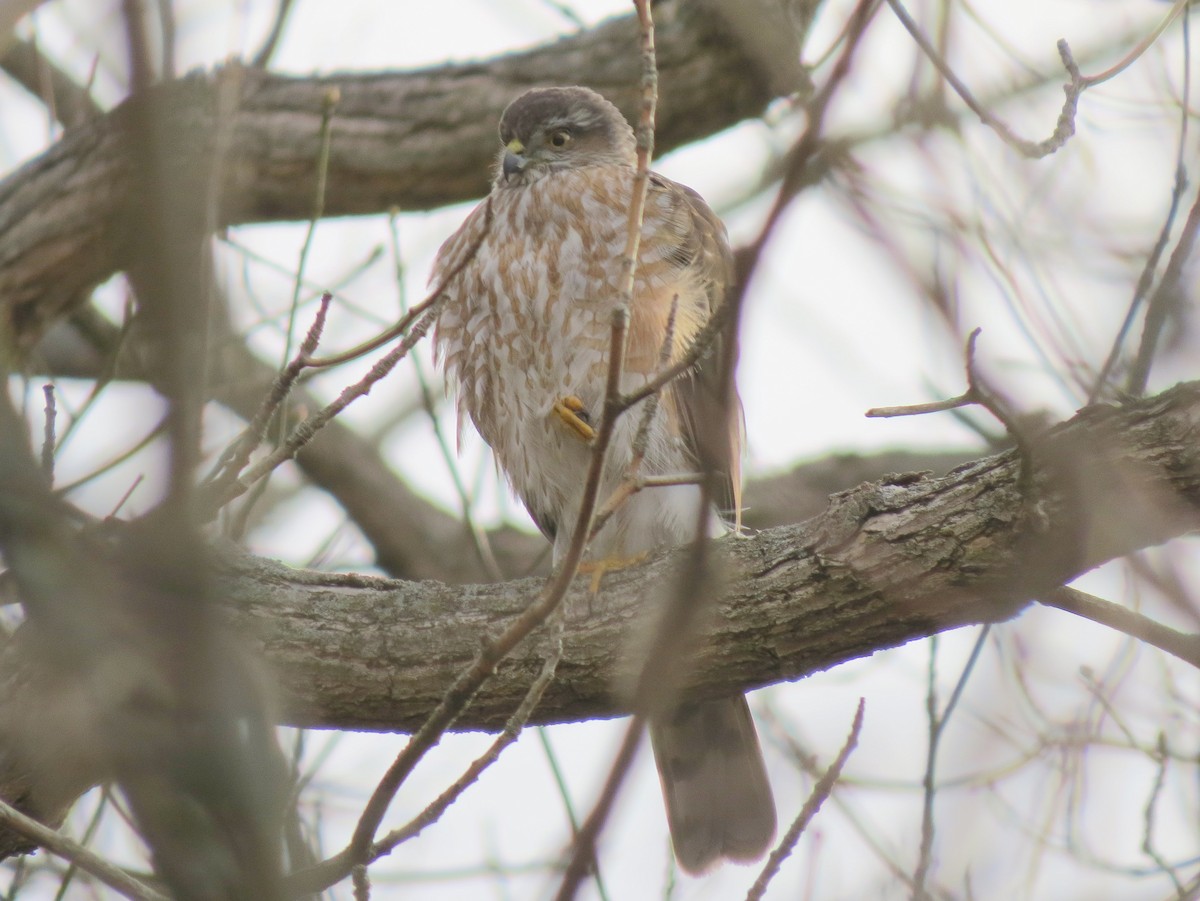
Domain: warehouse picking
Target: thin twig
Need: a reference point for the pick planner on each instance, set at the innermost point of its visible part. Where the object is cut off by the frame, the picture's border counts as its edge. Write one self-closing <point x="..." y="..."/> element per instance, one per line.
<point x="1179" y="644"/>
<point x="237" y="456"/>
<point x="66" y="101"/>
<point x="512" y="730"/>
<point x="48" y="440"/>
<point x="583" y="846"/>
<point x="968" y="398"/>
<point x="816" y="798"/>
<point x="696" y="349"/>
<point x="1063" y="130"/>
<point x="68" y="849"/>
<point x="126" y="496"/>
<point x="267" y="50"/>
<point x="925" y="852"/>
<point x="328" y="105"/>
<point x="937" y="728"/>
<point x="464" y="688"/>
<point x="1168" y="298"/>
<point x="650" y="693"/>
<point x="978" y="392"/>
<point x="415" y="313"/>
<point x="806" y="762"/>
<point x="559" y="780"/>
<point x="129" y="453"/>
<point x="89" y="833"/>
<point x="1148" y="817"/>
<point x="362" y="883"/>
<point x="1146" y="277"/>
<point x="416" y="322"/>
<point x="630" y="482"/>
<point x="1142" y="46"/>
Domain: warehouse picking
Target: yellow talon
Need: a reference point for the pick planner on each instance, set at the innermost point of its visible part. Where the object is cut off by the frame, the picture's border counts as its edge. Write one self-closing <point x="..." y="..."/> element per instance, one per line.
<point x="568" y="410"/>
<point x="608" y="564"/>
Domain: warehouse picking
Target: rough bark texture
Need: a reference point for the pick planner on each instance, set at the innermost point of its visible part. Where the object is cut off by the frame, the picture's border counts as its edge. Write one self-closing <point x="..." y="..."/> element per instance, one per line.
<point x="888" y="562"/>
<point x="413" y="140"/>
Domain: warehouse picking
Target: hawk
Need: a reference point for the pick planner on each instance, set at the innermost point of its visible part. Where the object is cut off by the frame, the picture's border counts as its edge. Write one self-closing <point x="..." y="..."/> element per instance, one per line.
<point x="524" y="331"/>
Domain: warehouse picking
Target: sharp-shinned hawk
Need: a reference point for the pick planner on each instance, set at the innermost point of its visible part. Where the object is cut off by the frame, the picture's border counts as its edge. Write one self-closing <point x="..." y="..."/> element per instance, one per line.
<point x="524" y="332"/>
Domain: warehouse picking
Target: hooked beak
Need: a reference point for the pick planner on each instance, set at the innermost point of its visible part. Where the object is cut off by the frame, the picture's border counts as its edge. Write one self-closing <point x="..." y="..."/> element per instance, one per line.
<point x="514" y="159"/>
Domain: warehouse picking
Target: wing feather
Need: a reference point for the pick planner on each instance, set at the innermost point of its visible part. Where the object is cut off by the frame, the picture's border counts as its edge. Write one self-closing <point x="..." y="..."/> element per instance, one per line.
<point x="712" y="431"/>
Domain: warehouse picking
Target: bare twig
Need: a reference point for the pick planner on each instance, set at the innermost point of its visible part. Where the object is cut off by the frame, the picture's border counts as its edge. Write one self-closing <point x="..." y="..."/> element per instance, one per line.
<point x="362" y="883"/>
<point x="267" y="50"/>
<point x="329" y="104"/>
<point x="237" y="456"/>
<point x="816" y="798"/>
<point x="1168" y="299"/>
<point x="464" y="688"/>
<point x="631" y="483"/>
<point x="48" y="440"/>
<point x="1146" y="278"/>
<point x="512" y="730"/>
<point x="552" y="760"/>
<point x="1148" y="818"/>
<point x="1179" y="644"/>
<point x="133" y="486"/>
<point x="583" y="847"/>
<point x="415" y="314"/>
<point x="67" y="101"/>
<point x="806" y="762"/>
<point x="1033" y="149"/>
<point x="653" y="682"/>
<point x="968" y="398"/>
<point x="584" y="842"/>
<point x="699" y="346"/>
<point x="1143" y="45"/>
<point x="975" y="393"/>
<point x="978" y="392"/>
<point x="68" y="849"/>
<point x="416" y="322"/>
<point x="937" y="728"/>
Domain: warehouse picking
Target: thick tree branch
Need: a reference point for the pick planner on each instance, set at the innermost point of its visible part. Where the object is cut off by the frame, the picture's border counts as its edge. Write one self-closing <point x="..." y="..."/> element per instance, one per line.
<point x="415" y="140"/>
<point x="886" y="563"/>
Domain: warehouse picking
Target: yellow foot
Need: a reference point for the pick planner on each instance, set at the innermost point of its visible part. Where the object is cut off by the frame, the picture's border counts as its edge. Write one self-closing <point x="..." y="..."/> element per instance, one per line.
<point x="609" y="564"/>
<point x="572" y="412"/>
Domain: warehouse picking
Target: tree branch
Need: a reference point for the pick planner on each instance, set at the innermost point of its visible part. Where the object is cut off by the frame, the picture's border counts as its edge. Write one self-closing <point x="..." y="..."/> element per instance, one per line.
<point x="886" y="563"/>
<point x="418" y="139"/>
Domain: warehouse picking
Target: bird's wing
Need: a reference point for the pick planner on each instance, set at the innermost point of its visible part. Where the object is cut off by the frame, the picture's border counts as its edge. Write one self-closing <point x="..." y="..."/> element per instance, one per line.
<point x="712" y="430"/>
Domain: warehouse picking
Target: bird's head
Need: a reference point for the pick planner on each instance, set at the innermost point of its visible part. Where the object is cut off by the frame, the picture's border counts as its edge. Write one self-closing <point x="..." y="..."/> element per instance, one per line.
<point x="550" y="129"/>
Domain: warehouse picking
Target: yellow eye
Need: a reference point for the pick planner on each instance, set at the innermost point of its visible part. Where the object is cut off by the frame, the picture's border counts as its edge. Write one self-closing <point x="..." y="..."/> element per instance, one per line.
<point x="560" y="138"/>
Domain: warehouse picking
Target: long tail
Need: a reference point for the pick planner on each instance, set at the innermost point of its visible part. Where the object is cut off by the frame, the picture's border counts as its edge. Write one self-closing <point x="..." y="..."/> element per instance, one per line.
<point x="714" y="781"/>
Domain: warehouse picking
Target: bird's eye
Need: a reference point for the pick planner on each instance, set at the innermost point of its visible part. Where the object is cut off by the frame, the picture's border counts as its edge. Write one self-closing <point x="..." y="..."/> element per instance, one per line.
<point x="560" y="138"/>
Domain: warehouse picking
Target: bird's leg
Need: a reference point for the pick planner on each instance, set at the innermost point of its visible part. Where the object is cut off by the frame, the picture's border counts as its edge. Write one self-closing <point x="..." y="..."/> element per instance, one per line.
<point x="598" y="568"/>
<point x="574" y="415"/>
